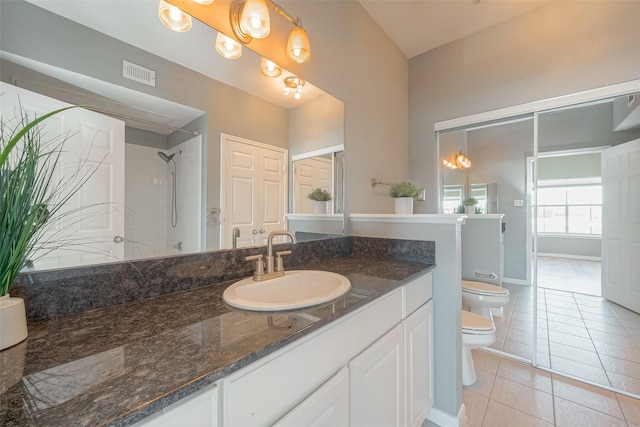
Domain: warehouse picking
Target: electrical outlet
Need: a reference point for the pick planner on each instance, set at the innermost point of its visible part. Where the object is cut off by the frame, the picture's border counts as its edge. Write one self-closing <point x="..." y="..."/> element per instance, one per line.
<point x="518" y="203"/>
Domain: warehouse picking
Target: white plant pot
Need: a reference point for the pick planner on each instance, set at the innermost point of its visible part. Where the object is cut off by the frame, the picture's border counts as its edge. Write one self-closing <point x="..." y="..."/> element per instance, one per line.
<point x="320" y="207"/>
<point x="13" y="321"/>
<point x="470" y="210"/>
<point x="404" y="205"/>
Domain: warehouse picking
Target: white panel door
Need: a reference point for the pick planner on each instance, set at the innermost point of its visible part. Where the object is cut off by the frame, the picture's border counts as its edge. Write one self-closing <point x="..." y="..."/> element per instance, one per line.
<point x="377" y="383"/>
<point x="253" y="190"/>
<point x="314" y="172"/>
<point x="621" y="225"/>
<point x="419" y="364"/>
<point x="240" y="185"/>
<point x="328" y="406"/>
<point x="94" y="148"/>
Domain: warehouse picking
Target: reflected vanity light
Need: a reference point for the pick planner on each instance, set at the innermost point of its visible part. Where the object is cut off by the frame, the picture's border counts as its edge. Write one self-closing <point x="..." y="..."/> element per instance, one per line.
<point x="460" y="161"/>
<point x="254" y="20"/>
<point x="293" y="82"/>
<point x="269" y="68"/>
<point x="228" y="47"/>
<point x="173" y="18"/>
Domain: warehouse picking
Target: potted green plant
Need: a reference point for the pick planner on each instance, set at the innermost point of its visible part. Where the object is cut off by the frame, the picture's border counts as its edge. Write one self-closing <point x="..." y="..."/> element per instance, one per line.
<point x="321" y="199"/>
<point x="470" y="205"/>
<point x="30" y="198"/>
<point x="404" y="192"/>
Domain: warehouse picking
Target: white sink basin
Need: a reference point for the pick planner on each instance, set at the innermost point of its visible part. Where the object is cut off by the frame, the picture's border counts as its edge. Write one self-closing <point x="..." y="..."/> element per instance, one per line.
<point x="296" y="289"/>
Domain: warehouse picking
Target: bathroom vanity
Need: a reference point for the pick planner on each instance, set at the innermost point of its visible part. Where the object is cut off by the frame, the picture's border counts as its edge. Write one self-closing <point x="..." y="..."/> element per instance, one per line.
<point x="187" y="357"/>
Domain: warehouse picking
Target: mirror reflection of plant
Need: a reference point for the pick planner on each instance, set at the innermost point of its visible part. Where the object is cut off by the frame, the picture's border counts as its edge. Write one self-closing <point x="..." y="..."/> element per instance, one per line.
<point x="31" y="196"/>
<point x="470" y="201"/>
<point x="319" y="195"/>
<point x="404" y="189"/>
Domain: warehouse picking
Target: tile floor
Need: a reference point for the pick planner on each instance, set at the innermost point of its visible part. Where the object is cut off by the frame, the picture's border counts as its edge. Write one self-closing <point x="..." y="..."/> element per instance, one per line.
<point x="585" y="336"/>
<point x="510" y="393"/>
<point x="573" y="275"/>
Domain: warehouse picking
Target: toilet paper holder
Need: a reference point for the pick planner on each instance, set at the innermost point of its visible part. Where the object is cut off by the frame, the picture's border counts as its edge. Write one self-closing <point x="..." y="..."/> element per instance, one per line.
<point x="492" y="276"/>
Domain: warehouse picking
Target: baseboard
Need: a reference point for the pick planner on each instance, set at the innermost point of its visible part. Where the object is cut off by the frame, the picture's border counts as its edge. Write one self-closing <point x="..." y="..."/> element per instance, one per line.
<point x="567" y="256"/>
<point x="515" y="281"/>
<point x="443" y="419"/>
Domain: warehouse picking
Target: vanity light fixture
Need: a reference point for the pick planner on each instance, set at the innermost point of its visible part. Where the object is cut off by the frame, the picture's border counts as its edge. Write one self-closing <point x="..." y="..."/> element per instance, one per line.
<point x="298" y="47"/>
<point x="269" y="68"/>
<point x="173" y="18"/>
<point x="228" y="47"/>
<point x="255" y="19"/>
<point x="250" y="19"/>
<point x="460" y="161"/>
<point x="293" y="82"/>
<point x="203" y="1"/>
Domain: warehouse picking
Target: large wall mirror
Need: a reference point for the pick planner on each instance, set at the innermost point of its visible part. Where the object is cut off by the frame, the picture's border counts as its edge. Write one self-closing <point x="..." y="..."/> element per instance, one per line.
<point x="74" y="51"/>
<point x="568" y="182"/>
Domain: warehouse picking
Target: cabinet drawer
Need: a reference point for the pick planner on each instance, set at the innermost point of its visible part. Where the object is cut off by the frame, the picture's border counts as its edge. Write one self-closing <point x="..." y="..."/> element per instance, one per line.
<point x="416" y="294"/>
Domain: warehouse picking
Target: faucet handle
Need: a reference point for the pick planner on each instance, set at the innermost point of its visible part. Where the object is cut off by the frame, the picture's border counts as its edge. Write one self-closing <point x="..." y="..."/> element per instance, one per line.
<point x="279" y="266"/>
<point x="259" y="264"/>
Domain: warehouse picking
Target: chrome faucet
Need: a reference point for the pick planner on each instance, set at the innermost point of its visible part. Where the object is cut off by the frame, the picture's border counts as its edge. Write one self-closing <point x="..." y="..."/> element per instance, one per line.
<point x="266" y="269"/>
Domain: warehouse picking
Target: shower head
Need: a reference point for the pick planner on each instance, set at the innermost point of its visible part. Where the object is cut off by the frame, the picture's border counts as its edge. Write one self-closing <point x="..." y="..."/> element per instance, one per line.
<point x="165" y="157"/>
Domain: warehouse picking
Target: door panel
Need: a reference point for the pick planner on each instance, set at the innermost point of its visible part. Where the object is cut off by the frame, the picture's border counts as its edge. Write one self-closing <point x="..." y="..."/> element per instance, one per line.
<point x="621" y="224"/>
<point x="93" y="151"/>
<point x="253" y="191"/>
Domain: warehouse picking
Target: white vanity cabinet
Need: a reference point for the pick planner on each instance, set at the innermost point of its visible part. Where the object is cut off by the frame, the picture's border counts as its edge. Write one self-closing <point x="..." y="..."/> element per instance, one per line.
<point x="326" y="407"/>
<point x="197" y="410"/>
<point x="373" y="366"/>
<point x="377" y="380"/>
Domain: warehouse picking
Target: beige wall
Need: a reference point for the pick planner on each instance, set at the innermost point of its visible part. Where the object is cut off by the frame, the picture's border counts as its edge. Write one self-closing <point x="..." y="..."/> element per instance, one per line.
<point x="316" y="124"/>
<point x="562" y="48"/>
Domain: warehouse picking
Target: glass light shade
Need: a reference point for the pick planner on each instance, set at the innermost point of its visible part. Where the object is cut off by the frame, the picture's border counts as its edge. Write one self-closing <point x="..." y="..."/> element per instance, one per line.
<point x="203" y="1"/>
<point x="255" y="19"/>
<point x="298" y="45"/>
<point x="173" y="18"/>
<point x="228" y="47"/>
<point x="269" y="68"/>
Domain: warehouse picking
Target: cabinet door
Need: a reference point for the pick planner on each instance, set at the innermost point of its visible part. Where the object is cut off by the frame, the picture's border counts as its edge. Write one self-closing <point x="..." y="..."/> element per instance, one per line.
<point x="326" y="407"/>
<point x="377" y="383"/>
<point x="418" y="329"/>
<point x="198" y="410"/>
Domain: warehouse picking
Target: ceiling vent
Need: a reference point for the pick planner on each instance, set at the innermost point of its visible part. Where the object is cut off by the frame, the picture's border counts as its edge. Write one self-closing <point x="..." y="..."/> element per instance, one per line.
<point x="139" y="74"/>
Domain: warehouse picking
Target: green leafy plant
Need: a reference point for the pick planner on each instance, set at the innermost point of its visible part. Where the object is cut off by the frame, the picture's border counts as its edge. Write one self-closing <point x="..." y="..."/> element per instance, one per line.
<point x="319" y="195"/>
<point x="470" y="201"/>
<point x="404" y="189"/>
<point x="30" y="195"/>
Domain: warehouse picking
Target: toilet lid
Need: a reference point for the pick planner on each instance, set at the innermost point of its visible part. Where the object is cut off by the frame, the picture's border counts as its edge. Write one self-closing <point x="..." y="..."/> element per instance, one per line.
<point x="482" y="288"/>
<point x="476" y="323"/>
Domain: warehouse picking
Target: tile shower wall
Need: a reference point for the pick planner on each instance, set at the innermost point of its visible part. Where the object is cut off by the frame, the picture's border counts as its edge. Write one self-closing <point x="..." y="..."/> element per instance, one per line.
<point x="188" y="158"/>
<point x="147" y="192"/>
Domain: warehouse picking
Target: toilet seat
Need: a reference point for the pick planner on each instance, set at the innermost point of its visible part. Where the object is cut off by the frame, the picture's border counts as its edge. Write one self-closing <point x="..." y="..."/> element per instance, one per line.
<point x="481" y="288"/>
<point x="476" y="324"/>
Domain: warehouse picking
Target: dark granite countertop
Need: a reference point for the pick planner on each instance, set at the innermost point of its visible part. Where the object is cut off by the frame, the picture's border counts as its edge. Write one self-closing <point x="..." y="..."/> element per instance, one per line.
<point x="113" y="366"/>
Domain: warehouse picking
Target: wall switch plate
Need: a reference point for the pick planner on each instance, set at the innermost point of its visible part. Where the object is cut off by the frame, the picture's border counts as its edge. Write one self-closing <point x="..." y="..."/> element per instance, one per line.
<point x="518" y="203"/>
<point x="422" y="196"/>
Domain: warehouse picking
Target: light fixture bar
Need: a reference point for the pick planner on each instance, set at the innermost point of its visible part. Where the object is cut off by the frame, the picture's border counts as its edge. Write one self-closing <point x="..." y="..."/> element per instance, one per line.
<point x="283" y="13"/>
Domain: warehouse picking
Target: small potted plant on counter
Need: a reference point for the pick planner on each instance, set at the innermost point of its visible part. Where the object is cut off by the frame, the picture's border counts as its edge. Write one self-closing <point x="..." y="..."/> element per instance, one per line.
<point x="404" y="192"/>
<point x="321" y="199"/>
<point x="470" y="205"/>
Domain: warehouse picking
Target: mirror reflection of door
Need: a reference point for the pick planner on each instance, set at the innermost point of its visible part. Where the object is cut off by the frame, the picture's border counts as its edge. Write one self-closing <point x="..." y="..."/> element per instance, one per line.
<point x="253" y="191"/>
<point x="311" y="173"/>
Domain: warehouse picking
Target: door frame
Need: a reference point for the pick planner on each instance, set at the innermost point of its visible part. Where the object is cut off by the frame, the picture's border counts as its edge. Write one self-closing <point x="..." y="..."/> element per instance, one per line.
<point x="224" y="139"/>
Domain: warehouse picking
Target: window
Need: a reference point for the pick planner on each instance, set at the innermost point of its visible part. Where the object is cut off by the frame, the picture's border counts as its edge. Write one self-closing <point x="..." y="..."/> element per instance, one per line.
<point x="570" y="208"/>
<point x="452" y="198"/>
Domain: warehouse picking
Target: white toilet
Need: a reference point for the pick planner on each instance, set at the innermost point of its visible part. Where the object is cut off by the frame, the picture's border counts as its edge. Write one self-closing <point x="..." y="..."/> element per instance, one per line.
<point x="477" y="331"/>
<point x="481" y="297"/>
